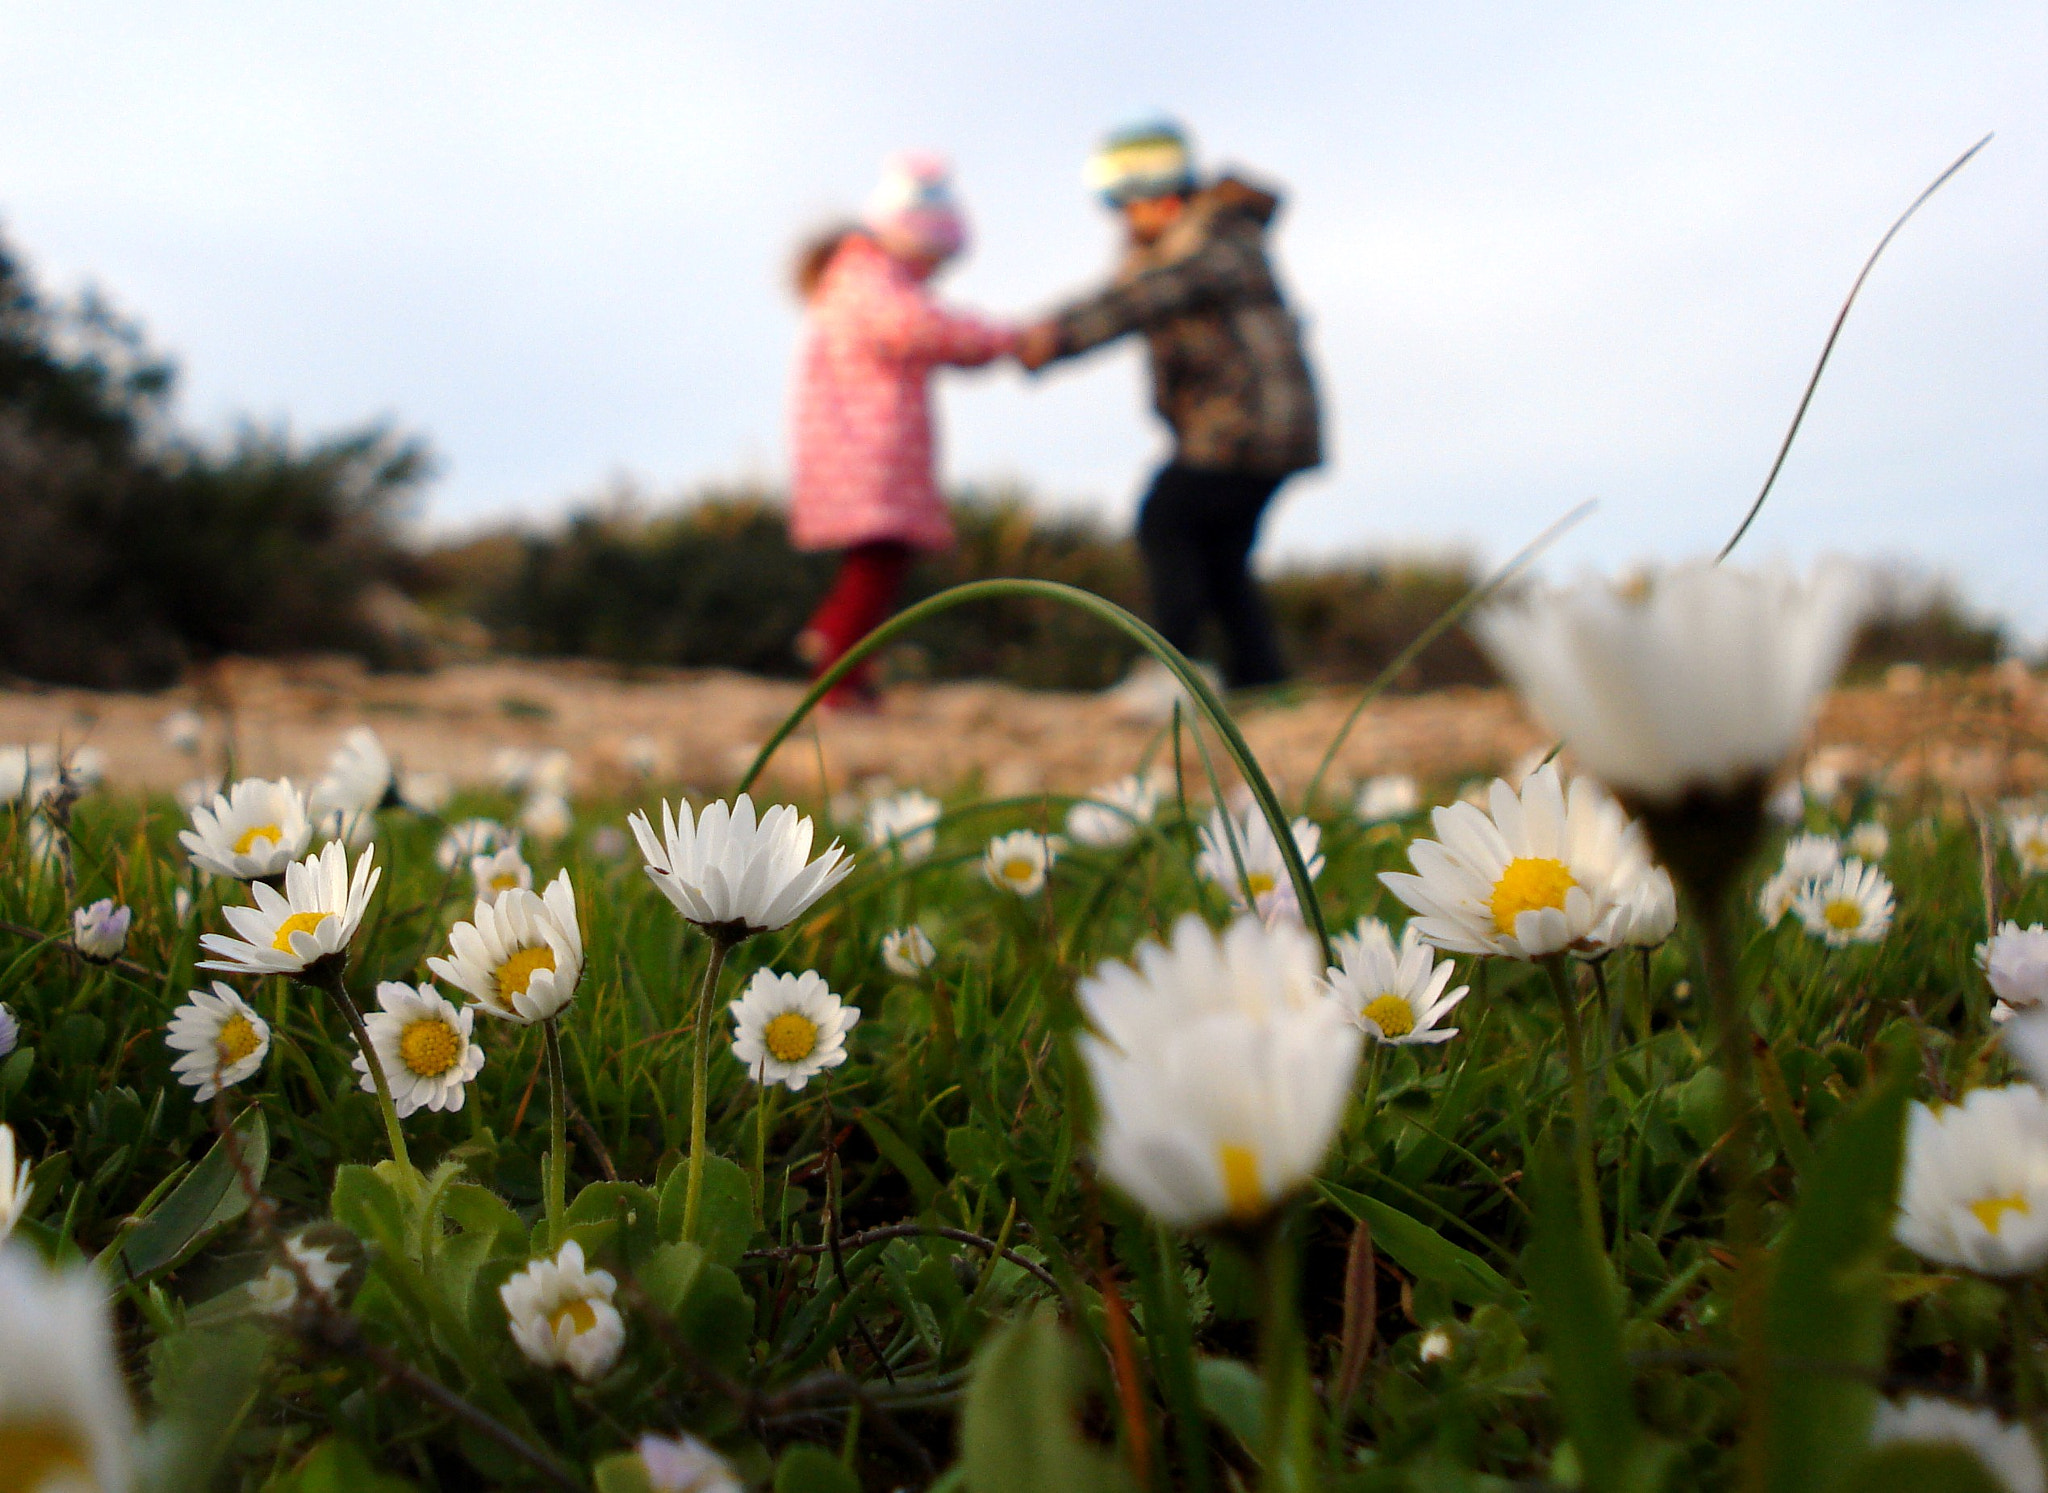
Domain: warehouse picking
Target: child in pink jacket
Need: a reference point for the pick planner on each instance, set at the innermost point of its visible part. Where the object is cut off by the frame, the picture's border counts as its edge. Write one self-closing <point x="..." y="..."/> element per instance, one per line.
<point x="864" y="481"/>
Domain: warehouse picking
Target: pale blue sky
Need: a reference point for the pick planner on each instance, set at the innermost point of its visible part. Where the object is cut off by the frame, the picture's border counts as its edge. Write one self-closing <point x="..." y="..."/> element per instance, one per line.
<point x="1546" y="252"/>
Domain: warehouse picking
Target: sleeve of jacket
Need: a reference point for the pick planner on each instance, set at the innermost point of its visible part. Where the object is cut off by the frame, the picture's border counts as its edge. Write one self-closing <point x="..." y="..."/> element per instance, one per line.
<point x="1219" y="272"/>
<point x="918" y="330"/>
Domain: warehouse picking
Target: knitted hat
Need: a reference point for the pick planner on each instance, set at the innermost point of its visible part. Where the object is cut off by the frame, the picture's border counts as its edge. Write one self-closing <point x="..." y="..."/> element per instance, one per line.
<point x="1149" y="157"/>
<point x="912" y="209"/>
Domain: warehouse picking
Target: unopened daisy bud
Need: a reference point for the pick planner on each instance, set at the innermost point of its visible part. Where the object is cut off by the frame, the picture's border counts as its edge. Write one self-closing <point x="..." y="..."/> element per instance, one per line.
<point x="2015" y="962"/>
<point x="907" y="952"/>
<point x="788" y="1029"/>
<point x="520" y="955"/>
<point x="313" y="920"/>
<point x="1645" y="912"/>
<point x="907" y="823"/>
<point x="15" y="1188"/>
<point x="1975" y="1190"/>
<point x="734" y="875"/>
<point x="561" y="1314"/>
<point x="1435" y="1347"/>
<point x="65" y="1421"/>
<point x="100" y="932"/>
<point x="2029" y="835"/>
<point x="683" y="1464"/>
<point x="1018" y="862"/>
<point x="2007" y="1451"/>
<point x="1853" y="904"/>
<point x="424" y="1046"/>
<point x="221" y="1037"/>
<point x="181" y="904"/>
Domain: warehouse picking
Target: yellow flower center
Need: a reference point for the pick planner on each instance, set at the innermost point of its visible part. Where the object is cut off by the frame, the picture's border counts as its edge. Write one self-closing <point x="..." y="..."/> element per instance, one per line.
<point x="246" y="841"/>
<point x="1529" y="883"/>
<point x="1258" y="883"/>
<point x="237" y="1040"/>
<point x="504" y="881"/>
<point x="39" y="1454"/>
<point x="516" y="973"/>
<point x="790" y="1037"/>
<point x="1019" y="868"/>
<point x="429" y="1046"/>
<point x="1241" y="1191"/>
<point x="1391" y="1014"/>
<point x="1991" y="1211"/>
<point x="1842" y="915"/>
<point x="298" y="922"/>
<point x="579" y="1314"/>
<point x="2035" y="849"/>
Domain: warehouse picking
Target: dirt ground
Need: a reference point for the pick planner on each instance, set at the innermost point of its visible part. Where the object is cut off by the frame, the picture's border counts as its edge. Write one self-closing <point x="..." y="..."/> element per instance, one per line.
<point x="1985" y="734"/>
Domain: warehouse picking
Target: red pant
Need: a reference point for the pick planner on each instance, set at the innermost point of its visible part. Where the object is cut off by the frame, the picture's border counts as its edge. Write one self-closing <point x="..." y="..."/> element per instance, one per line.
<point x="862" y="596"/>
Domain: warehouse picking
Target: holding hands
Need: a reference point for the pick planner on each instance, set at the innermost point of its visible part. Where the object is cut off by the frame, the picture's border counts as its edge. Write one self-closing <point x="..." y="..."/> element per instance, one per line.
<point x="1037" y="345"/>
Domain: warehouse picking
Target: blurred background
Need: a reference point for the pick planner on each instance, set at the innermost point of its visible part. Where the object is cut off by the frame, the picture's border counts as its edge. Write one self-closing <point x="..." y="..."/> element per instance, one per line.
<point x="424" y="332"/>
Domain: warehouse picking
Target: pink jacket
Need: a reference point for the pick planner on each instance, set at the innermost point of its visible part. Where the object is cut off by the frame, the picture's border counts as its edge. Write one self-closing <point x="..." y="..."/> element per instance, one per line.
<point x="863" y="423"/>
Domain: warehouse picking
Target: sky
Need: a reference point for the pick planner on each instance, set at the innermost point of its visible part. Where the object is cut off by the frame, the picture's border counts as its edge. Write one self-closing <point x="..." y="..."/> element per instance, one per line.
<point x="1544" y="253"/>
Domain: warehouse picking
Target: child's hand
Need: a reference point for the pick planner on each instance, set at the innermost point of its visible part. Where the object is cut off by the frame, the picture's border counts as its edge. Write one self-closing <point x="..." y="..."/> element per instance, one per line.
<point x="1038" y="345"/>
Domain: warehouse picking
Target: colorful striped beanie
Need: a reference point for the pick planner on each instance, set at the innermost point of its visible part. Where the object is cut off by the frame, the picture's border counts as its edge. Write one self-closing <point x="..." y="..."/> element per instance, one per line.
<point x="912" y="208"/>
<point x="1150" y="157"/>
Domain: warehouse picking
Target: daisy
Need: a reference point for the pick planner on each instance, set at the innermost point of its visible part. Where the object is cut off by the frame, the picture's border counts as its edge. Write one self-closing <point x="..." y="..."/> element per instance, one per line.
<point x="1220" y="1070"/>
<point x="908" y="822"/>
<point x="504" y="872"/>
<point x="1808" y="859"/>
<point x="520" y="954"/>
<point x="314" y="919"/>
<point x="1541" y="873"/>
<point x="547" y="817"/>
<point x="251" y="832"/>
<point x="10" y="1029"/>
<point x="1385" y="798"/>
<point x="425" y="792"/>
<point x="1645" y="911"/>
<point x="2015" y="962"/>
<point x="2029" y="834"/>
<point x="65" y="1421"/>
<point x="344" y="803"/>
<point x="1265" y="875"/>
<point x="222" y="1038"/>
<point x="1975" y="1192"/>
<point x="182" y="731"/>
<point x="100" y="932"/>
<point x="788" y="1029"/>
<point x="1395" y="995"/>
<point x="1112" y="814"/>
<point x="15" y="1187"/>
<point x="1869" y="841"/>
<point x="561" y="1315"/>
<point x="732" y="875"/>
<point x="1018" y="862"/>
<point x="1702" y="677"/>
<point x="1853" y="904"/>
<point x="424" y="1045"/>
<point x="325" y="1255"/>
<point x="28" y="775"/>
<point x="466" y="839"/>
<point x="907" y="952"/>
<point x="2007" y="1451"/>
<point x="683" y="1464"/>
<point x="2023" y="1032"/>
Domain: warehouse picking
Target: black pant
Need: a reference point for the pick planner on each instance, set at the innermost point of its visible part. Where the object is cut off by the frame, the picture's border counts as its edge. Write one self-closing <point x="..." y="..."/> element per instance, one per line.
<point x="1197" y="528"/>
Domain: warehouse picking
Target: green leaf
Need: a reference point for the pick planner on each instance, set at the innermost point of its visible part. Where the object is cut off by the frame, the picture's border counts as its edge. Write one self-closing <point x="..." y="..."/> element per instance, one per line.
<point x="478" y="1210"/>
<point x="338" y="1466"/>
<point x="1919" y="1469"/>
<point x="669" y="1273"/>
<point x="204" y="1381"/>
<point x="623" y="1215"/>
<point x="1422" y="1251"/>
<point x="209" y="1199"/>
<point x="812" y="1469"/>
<point x="973" y="1153"/>
<point x="725" y="1218"/>
<point x="621" y="1472"/>
<point x="1019" y="1430"/>
<point x="365" y="1202"/>
<point x="920" y="1177"/>
<point x="1826" y="1301"/>
<point x="1576" y="1302"/>
<point x="717" y="1317"/>
<point x="1235" y="1397"/>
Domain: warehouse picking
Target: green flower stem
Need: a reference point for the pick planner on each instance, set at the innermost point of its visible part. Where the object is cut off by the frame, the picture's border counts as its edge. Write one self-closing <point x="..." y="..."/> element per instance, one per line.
<point x="764" y="1103"/>
<point x="558" y="1132"/>
<point x="1582" y="1103"/>
<point x="327" y="976"/>
<point x="1289" y="1455"/>
<point x="700" y="1067"/>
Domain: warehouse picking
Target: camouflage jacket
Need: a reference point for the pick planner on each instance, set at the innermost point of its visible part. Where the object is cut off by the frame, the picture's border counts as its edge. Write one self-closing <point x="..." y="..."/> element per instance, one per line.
<point x="1228" y="372"/>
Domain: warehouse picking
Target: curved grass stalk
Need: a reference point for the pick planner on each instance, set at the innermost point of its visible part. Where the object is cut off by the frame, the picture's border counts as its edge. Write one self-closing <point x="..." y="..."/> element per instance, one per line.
<point x="1140" y="632"/>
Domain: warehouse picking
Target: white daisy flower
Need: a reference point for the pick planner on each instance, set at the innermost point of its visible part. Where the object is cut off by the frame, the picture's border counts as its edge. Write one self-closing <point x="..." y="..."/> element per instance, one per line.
<point x="182" y="731"/>
<point x="1220" y="1070"/>
<point x="1385" y="798"/>
<point x="1265" y="876"/>
<point x="65" y="1421"/>
<point x="2023" y="1031"/>
<point x="726" y="871"/>
<point x="2007" y="1451"/>
<point x="1808" y="859"/>
<point x="344" y="803"/>
<point x="1869" y="841"/>
<point x="907" y="821"/>
<point x="1975" y="1192"/>
<point x="252" y="831"/>
<point x="1018" y="862"/>
<point x="561" y="1314"/>
<point x="28" y="775"/>
<point x="15" y="1187"/>
<point x="1853" y="904"/>
<point x="1645" y="911"/>
<point x="100" y="931"/>
<point x="788" y="1029"/>
<point x="181" y="904"/>
<point x="314" y="919"/>
<point x="1435" y="1347"/>
<point x="2015" y="962"/>
<point x="1112" y="814"/>
<point x="1540" y="874"/>
<point x="2029" y="833"/>
<point x="222" y="1038"/>
<point x="547" y="817"/>
<point x="10" y="1030"/>
<point x="504" y="872"/>
<point x="425" y="793"/>
<point x="907" y="952"/>
<point x="466" y="839"/>
<point x="520" y="954"/>
<point x="322" y="1255"/>
<point x="1394" y="994"/>
<point x="683" y="1464"/>
<point x="1700" y="677"/>
<point x="424" y="1045"/>
<point x="512" y="769"/>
